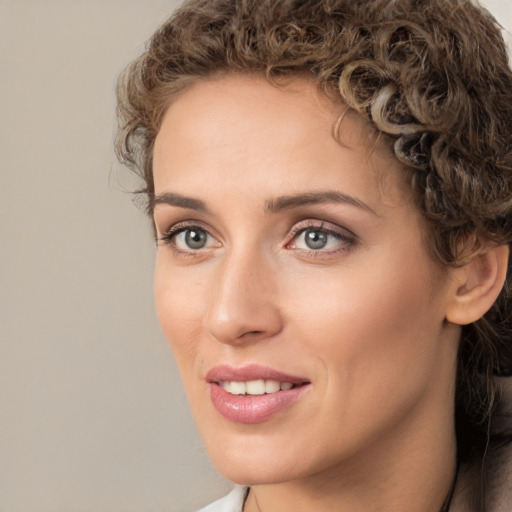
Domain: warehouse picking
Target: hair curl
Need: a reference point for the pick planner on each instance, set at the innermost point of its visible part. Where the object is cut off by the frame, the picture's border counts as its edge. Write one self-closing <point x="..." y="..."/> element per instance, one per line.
<point x="432" y="75"/>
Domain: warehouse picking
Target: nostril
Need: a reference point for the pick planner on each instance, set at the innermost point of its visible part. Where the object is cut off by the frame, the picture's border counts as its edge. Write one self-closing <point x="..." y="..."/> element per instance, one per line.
<point x="249" y="333"/>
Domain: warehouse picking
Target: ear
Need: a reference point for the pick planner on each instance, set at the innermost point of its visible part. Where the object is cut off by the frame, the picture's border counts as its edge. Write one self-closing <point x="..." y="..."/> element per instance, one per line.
<point x="477" y="285"/>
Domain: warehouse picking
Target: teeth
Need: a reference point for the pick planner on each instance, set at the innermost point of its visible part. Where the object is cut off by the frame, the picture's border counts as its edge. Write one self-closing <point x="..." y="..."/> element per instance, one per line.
<point x="255" y="387"/>
<point x="237" y="388"/>
<point x="225" y="385"/>
<point x="272" y="386"/>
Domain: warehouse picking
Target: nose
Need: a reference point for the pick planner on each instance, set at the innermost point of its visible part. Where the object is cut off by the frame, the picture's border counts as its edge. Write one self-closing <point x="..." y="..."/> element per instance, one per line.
<point x="244" y="302"/>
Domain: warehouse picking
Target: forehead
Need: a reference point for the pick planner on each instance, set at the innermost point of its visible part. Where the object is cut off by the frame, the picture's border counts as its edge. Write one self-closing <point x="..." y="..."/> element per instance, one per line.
<point x="291" y="133"/>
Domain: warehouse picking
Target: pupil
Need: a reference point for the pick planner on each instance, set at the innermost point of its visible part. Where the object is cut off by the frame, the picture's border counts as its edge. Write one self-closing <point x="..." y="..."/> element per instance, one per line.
<point x="195" y="239"/>
<point x="316" y="239"/>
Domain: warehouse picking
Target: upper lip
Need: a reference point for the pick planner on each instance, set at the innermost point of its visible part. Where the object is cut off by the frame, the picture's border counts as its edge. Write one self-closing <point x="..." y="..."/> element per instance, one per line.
<point x="250" y="372"/>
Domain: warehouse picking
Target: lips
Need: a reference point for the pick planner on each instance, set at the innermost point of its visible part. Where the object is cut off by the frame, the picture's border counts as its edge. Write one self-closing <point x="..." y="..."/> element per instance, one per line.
<point x="253" y="394"/>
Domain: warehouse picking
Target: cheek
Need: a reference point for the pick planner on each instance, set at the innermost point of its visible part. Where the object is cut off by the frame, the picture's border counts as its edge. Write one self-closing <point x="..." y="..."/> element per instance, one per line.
<point x="374" y="341"/>
<point x="179" y="306"/>
<point x="378" y="321"/>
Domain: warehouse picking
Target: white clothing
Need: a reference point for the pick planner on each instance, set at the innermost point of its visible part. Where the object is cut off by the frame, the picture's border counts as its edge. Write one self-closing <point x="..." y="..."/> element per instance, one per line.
<point x="233" y="502"/>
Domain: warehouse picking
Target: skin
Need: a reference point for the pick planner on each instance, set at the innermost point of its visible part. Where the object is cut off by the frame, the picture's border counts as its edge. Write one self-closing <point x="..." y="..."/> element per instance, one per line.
<point x="364" y="319"/>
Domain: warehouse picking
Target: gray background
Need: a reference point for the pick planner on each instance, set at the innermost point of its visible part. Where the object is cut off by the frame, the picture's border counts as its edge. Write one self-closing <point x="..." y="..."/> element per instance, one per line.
<point x="92" y="415"/>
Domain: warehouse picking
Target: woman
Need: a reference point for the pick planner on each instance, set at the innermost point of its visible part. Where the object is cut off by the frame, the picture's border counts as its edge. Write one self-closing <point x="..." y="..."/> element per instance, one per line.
<point x="330" y="184"/>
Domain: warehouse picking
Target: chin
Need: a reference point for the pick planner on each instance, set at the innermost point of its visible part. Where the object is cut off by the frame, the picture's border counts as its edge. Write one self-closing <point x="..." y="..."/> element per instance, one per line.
<point x="251" y="462"/>
<point x="253" y="473"/>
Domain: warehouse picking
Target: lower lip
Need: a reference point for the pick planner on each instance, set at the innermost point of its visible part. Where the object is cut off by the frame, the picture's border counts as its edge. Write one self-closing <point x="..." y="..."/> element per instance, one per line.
<point x="255" y="408"/>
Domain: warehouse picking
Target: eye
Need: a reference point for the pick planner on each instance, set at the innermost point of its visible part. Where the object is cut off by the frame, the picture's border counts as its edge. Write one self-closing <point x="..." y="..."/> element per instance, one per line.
<point x="319" y="238"/>
<point x="315" y="239"/>
<point x="193" y="238"/>
<point x="188" y="238"/>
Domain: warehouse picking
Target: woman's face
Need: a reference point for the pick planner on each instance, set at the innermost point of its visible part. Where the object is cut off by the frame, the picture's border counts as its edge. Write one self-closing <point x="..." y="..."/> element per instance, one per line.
<point x="290" y="260"/>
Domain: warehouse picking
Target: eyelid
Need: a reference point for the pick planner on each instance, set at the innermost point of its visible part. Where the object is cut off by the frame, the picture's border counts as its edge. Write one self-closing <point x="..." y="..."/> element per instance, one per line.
<point x="346" y="237"/>
<point x="321" y="225"/>
<point x="170" y="234"/>
<point x="174" y="227"/>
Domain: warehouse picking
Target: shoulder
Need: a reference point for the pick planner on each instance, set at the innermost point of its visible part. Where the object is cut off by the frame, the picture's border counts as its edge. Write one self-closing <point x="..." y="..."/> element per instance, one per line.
<point x="489" y="482"/>
<point x="499" y="463"/>
<point x="233" y="502"/>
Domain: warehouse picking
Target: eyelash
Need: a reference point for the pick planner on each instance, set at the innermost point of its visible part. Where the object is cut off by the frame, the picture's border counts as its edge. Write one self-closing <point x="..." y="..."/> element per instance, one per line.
<point x="169" y="238"/>
<point x="345" y="237"/>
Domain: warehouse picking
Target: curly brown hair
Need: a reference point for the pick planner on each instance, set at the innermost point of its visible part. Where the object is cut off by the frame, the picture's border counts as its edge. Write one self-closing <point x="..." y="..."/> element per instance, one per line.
<point x="431" y="75"/>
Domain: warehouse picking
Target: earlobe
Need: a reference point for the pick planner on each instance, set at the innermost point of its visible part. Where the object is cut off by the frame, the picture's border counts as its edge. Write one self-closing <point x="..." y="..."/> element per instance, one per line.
<point x="477" y="285"/>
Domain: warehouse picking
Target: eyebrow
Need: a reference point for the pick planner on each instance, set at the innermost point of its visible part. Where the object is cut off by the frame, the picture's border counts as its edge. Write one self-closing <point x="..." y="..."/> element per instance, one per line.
<point x="276" y="205"/>
<point x="289" y="202"/>
<point x="176" y="200"/>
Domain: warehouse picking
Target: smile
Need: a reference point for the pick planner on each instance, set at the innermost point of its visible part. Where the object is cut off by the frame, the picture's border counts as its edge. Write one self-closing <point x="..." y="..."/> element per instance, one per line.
<point x="255" y="387"/>
<point x="253" y="394"/>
